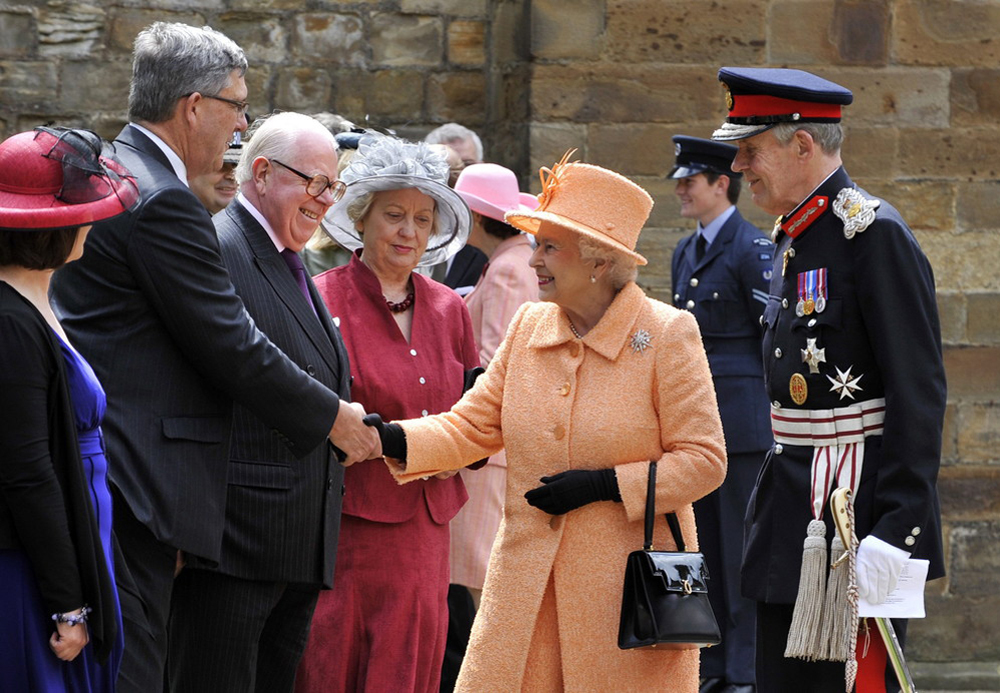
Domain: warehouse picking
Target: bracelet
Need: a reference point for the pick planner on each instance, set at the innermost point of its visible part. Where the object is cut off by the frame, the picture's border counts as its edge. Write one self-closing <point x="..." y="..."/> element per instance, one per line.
<point x="72" y="619"/>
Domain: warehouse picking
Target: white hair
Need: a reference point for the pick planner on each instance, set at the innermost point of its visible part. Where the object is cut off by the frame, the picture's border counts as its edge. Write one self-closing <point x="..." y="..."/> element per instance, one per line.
<point x="453" y="132"/>
<point x="622" y="268"/>
<point x="276" y="137"/>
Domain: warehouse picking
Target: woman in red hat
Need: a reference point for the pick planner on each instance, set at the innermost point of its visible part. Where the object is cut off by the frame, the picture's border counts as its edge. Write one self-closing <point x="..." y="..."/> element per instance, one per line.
<point x="60" y="629"/>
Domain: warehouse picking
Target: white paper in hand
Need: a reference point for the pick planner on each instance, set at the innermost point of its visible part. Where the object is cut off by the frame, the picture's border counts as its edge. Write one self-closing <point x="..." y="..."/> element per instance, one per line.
<point x="907" y="600"/>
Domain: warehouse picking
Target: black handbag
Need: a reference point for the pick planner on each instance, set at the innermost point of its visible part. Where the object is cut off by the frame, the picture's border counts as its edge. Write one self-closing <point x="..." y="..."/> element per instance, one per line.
<point x="665" y="601"/>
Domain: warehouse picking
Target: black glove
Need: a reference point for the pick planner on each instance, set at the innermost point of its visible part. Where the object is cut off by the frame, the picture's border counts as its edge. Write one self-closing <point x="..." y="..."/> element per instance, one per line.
<point x="470" y="377"/>
<point x="392" y="436"/>
<point x="572" y="489"/>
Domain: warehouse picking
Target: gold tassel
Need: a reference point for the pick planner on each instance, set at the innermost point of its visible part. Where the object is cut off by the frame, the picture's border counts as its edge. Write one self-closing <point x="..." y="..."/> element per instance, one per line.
<point x="837" y="618"/>
<point x="804" y="633"/>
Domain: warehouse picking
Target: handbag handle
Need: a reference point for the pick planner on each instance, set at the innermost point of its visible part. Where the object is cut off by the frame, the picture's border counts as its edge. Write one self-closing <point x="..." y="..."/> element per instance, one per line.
<point x="675" y="525"/>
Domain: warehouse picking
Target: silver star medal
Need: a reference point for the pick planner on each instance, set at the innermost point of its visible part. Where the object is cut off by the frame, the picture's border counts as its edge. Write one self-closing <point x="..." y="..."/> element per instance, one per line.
<point x="813" y="355"/>
<point x="845" y="384"/>
<point x="640" y="341"/>
<point x="855" y="210"/>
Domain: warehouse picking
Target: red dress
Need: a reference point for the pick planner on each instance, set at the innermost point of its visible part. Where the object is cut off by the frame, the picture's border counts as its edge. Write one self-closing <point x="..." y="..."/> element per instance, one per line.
<point x="384" y="624"/>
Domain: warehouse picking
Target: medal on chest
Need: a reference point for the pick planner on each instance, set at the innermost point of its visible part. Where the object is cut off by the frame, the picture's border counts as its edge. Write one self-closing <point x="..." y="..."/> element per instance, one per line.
<point x="812" y="292"/>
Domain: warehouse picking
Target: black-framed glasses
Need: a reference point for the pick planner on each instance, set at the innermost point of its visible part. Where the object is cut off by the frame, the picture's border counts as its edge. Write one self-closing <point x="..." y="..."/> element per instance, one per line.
<point x="241" y="106"/>
<point x="317" y="185"/>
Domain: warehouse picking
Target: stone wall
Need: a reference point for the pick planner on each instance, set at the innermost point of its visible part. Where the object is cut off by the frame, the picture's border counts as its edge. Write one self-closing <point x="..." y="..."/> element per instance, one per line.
<point x="615" y="79"/>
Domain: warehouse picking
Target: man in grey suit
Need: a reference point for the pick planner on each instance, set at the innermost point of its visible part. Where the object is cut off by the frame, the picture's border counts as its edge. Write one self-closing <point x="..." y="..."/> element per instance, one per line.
<point x="152" y="307"/>
<point x="243" y="626"/>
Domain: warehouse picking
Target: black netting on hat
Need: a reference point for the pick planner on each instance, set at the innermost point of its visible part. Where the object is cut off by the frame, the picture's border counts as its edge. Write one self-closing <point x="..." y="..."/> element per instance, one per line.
<point x="90" y="170"/>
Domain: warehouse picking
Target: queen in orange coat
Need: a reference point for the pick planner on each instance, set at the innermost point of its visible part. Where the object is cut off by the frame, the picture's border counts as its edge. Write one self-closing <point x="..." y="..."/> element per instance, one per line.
<point x="588" y="386"/>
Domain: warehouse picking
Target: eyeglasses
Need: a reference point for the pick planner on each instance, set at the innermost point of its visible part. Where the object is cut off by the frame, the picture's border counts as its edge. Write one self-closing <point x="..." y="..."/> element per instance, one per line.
<point x="241" y="106"/>
<point x="317" y="185"/>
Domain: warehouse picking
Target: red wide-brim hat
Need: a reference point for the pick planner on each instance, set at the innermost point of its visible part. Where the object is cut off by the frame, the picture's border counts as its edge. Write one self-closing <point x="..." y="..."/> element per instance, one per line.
<point x="56" y="177"/>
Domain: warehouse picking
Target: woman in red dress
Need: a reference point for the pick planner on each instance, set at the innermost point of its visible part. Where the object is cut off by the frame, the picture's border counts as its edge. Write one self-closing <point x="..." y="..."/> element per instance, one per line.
<point x="383" y="626"/>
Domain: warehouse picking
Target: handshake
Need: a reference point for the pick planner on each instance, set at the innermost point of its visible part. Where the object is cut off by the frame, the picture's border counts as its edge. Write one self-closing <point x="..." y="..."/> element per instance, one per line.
<point x="352" y="437"/>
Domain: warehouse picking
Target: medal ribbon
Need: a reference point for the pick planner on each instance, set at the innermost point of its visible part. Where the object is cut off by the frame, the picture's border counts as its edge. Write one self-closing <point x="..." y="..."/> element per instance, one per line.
<point x="821" y="289"/>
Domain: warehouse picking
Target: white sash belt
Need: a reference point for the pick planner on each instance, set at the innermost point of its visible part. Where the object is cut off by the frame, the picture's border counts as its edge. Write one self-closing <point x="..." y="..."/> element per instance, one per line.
<point x="837" y="437"/>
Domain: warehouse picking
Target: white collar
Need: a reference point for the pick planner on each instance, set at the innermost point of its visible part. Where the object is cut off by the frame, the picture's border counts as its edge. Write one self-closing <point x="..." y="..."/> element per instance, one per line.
<point x="175" y="161"/>
<point x="241" y="198"/>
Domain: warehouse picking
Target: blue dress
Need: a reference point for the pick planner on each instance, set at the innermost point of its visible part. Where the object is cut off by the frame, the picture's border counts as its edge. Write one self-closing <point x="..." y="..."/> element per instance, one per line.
<point x="20" y="600"/>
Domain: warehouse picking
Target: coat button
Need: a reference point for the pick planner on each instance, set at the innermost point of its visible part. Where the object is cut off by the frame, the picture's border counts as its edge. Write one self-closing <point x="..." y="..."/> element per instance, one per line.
<point x="677" y="297"/>
<point x="564" y="390"/>
<point x="689" y="305"/>
<point x="559" y="432"/>
<point x="311" y="370"/>
<point x="694" y="281"/>
<point x="761" y="321"/>
<point x="715" y="295"/>
<point x="915" y="531"/>
<point x="776" y="404"/>
<point x="329" y="484"/>
<point x="423" y="412"/>
<point x="791" y="252"/>
<point x="413" y="352"/>
<point x="574" y="349"/>
<point x="909" y="541"/>
<point x="423" y="380"/>
<point x="784" y="303"/>
<point x="812" y="322"/>
<point x="556" y="522"/>
<point x="777" y="353"/>
<point x="778" y="449"/>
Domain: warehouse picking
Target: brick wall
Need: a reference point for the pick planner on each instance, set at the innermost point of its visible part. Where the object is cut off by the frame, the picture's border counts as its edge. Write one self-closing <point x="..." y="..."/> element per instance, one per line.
<point x="615" y="79"/>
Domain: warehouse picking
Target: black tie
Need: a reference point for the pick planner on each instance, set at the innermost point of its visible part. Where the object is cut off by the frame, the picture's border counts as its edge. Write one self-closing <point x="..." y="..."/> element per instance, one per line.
<point x="699" y="247"/>
<point x="294" y="263"/>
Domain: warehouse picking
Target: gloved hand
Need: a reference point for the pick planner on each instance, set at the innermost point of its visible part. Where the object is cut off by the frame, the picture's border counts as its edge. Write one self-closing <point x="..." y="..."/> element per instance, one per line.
<point x="392" y="436"/>
<point x="879" y="565"/>
<point x="572" y="489"/>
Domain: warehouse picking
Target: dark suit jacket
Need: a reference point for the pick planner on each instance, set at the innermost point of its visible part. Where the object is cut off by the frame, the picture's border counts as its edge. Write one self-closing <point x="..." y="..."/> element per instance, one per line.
<point x="152" y="307"/>
<point x="282" y="514"/>
<point x="466" y="268"/>
<point x="727" y="292"/>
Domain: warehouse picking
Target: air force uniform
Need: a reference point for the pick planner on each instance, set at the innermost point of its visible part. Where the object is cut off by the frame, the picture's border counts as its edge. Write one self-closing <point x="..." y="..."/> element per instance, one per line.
<point x="852" y="359"/>
<point x="727" y="290"/>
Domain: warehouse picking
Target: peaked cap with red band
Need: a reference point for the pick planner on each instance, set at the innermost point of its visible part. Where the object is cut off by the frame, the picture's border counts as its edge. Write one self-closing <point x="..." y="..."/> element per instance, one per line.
<point x="759" y="98"/>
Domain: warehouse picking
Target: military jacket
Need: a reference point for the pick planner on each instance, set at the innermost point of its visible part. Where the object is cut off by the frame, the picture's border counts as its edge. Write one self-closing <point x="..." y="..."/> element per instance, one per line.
<point x="877" y="336"/>
<point x="727" y="292"/>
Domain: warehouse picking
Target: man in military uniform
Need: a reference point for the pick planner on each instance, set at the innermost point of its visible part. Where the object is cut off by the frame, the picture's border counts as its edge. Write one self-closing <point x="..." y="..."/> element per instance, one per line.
<point x="721" y="274"/>
<point x="853" y="367"/>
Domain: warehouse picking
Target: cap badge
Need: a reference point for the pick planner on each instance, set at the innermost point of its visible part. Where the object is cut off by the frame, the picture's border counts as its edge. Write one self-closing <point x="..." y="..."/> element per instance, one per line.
<point x="550" y="179"/>
<point x="677" y="149"/>
<point x="855" y="210"/>
<point x="641" y="340"/>
<point x="729" y="97"/>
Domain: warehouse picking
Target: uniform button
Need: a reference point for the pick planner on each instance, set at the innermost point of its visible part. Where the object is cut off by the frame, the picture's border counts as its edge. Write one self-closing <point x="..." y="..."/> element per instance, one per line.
<point x="423" y="412"/>
<point x="694" y="281"/>
<point x="677" y="297"/>
<point x="559" y="432"/>
<point x="915" y="531"/>
<point x="776" y="404"/>
<point x="311" y="370"/>
<point x="777" y="353"/>
<point x="784" y="303"/>
<point x="909" y="541"/>
<point x="761" y="321"/>
<point x="715" y="295"/>
<point x="689" y="305"/>
<point x="422" y="380"/>
<point x="812" y="322"/>
<point x="564" y="390"/>
<point x="778" y="449"/>
<point x="413" y="352"/>
<point x="791" y="252"/>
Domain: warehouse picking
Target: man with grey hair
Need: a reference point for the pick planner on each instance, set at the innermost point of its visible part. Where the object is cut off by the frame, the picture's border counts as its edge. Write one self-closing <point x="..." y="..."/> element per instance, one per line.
<point x="242" y="625"/>
<point x="854" y="373"/>
<point x="461" y="139"/>
<point x="152" y="307"/>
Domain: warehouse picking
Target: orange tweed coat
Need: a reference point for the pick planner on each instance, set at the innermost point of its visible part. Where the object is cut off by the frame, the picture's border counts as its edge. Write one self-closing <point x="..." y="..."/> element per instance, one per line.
<point x="556" y="403"/>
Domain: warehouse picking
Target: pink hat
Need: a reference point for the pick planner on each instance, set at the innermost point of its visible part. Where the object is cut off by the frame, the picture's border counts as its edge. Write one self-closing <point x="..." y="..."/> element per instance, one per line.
<point x="56" y="177"/>
<point x="491" y="190"/>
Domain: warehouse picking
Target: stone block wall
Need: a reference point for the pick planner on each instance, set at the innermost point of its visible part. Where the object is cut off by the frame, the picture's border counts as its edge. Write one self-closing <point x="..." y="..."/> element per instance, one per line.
<point x="615" y="79"/>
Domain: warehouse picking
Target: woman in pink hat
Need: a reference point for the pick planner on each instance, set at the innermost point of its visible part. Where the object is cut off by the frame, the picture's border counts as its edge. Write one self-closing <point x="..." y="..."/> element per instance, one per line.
<point x="61" y="628"/>
<point x="507" y="282"/>
<point x="590" y="384"/>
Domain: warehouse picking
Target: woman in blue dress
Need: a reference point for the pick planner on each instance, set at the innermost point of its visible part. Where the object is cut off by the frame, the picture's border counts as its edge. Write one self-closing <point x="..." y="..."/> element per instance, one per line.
<point x="60" y="628"/>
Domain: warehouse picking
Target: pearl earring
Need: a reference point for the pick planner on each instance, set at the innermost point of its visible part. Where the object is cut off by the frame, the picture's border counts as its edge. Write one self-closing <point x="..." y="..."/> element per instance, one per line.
<point x="593" y="279"/>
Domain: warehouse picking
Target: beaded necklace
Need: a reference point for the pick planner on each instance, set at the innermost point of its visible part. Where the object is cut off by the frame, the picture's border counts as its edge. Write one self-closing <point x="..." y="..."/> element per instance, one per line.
<point x="402" y="306"/>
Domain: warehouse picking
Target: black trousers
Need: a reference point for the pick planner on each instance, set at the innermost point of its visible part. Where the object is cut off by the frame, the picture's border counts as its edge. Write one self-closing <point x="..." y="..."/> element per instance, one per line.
<point x="461" y="614"/>
<point x="145" y="601"/>
<point x="779" y="674"/>
<point x="232" y="634"/>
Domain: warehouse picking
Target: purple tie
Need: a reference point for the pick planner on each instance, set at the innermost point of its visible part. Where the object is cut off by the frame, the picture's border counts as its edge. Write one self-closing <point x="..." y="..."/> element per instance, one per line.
<point x="294" y="263"/>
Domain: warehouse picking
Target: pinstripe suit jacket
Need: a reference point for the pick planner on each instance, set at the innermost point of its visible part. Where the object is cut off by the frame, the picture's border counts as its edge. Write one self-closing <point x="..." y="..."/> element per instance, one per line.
<point x="152" y="308"/>
<point x="282" y="514"/>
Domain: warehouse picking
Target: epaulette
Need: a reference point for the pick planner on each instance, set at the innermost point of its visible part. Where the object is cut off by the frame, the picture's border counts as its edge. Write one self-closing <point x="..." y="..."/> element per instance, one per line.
<point x="855" y="210"/>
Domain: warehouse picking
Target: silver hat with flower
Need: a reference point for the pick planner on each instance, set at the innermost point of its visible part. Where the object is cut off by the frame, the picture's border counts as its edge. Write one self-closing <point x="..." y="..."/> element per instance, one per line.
<point x="388" y="163"/>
